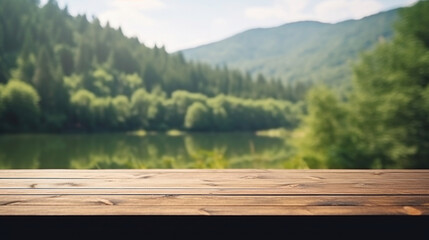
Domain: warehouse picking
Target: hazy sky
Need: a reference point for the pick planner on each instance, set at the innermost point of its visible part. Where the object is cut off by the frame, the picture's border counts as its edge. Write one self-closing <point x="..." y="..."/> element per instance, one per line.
<point x="180" y="24"/>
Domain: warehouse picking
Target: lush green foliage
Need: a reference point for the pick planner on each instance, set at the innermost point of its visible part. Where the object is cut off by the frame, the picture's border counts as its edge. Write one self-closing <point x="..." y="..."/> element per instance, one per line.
<point x="19" y="106"/>
<point x="91" y="77"/>
<point x="299" y="52"/>
<point x="184" y="110"/>
<point x="384" y="122"/>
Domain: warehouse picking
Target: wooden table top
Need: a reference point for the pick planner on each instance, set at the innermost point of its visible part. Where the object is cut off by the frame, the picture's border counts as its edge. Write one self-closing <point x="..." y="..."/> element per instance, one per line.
<point x="231" y="192"/>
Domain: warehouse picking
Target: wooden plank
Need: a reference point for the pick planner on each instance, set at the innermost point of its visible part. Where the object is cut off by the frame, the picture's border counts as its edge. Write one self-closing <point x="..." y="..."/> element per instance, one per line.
<point x="203" y="181"/>
<point x="315" y="190"/>
<point x="241" y="210"/>
<point x="211" y="200"/>
<point x="291" y="189"/>
<point x="218" y="174"/>
<point x="206" y="183"/>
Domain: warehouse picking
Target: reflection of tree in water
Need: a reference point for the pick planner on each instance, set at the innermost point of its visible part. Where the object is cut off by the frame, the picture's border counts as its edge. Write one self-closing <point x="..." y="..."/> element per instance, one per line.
<point x="20" y="151"/>
<point x="123" y="151"/>
<point x="111" y="151"/>
<point x="238" y="150"/>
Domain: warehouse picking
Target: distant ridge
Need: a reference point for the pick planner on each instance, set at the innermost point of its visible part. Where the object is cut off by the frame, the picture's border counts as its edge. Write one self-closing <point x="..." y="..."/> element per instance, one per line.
<point x="306" y="51"/>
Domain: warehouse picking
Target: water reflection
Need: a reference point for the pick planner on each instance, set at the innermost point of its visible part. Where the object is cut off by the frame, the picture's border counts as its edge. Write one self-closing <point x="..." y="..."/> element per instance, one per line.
<point x="115" y="151"/>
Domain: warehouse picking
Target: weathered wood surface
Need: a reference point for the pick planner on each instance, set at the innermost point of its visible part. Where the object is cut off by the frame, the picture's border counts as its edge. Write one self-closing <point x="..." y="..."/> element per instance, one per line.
<point x="214" y="192"/>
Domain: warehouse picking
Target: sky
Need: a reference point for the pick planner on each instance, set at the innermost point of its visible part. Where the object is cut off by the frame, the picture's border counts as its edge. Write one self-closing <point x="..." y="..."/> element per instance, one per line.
<point x="181" y="24"/>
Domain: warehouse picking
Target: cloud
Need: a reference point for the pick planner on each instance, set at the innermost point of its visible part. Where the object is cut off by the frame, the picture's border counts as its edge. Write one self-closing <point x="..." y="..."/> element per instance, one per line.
<point x="336" y="10"/>
<point x="117" y="18"/>
<point x="411" y="2"/>
<point x="324" y="10"/>
<point x="288" y="10"/>
<point x="130" y="13"/>
<point x="264" y="12"/>
<point x="137" y="5"/>
<point x="219" y="22"/>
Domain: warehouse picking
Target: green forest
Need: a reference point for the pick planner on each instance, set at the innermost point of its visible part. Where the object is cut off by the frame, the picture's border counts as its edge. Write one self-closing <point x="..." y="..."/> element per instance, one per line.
<point x="60" y="73"/>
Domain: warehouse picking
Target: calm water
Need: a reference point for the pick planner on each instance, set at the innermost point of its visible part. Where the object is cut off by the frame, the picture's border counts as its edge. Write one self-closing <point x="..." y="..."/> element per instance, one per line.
<point x="108" y="151"/>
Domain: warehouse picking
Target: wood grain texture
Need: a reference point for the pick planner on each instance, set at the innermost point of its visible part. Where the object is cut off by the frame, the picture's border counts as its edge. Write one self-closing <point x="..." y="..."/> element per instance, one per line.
<point x="214" y="192"/>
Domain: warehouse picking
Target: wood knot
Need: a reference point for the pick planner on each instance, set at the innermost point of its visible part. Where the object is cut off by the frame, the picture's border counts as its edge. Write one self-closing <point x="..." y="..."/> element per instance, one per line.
<point x="248" y="177"/>
<point x="317" y="177"/>
<point x="69" y="184"/>
<point x="290" y="185"/>
<point x="145" y="176"/>
<point x="204" y="211"/>
<point x="105" y="202"/>
<point x="412" y="211"/>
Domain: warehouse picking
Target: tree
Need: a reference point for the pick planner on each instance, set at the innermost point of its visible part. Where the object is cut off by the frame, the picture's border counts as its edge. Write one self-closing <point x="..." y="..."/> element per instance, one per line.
<point x="81" y="103"/>
<point x="384" y="121"/>
<point x="127" y="83"/>
<point x="102" y="82"/>
<point x="391" y="85"/>
<point x="48" y="81"/>
<point x="83" y="57"/>
<point x="325" y="134"/>
<point x="43" y="78"/>
<point x="183" y="100"/>
<point x="1" y="104"/>
<point x="414" y="22"/>
<point x="25" y="68"/>
<point x="20" y="103"/>
<point x="140" y="105"/>
<point x="64" y="54"/>
<point x="73" y="83"/>
<point x="103" y="113"/>
<point x="123" y="59"/>
<point x="220" y="116"/>
<point x="152" y="77"/>
<point x="122" y="111"/>
<point x="54" y="98"/>
<point x="198" y="117"/>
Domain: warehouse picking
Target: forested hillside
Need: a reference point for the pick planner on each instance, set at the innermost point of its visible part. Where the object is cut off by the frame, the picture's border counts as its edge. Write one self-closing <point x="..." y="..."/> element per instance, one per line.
<point x="59" y="72"/>
<point x="302" y="51"/>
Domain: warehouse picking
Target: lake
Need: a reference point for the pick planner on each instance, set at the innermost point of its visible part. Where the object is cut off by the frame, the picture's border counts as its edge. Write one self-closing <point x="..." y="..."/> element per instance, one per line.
<point x="118" y="151"/>
<point x="160" y="150"/>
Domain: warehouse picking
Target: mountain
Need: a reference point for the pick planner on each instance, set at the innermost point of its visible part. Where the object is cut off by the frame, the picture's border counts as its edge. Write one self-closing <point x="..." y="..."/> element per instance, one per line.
<point x="306" y="51"/>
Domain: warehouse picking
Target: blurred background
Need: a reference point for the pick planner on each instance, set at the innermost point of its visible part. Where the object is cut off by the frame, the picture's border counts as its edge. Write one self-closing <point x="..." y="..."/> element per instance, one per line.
<point x="225" y="84"/>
